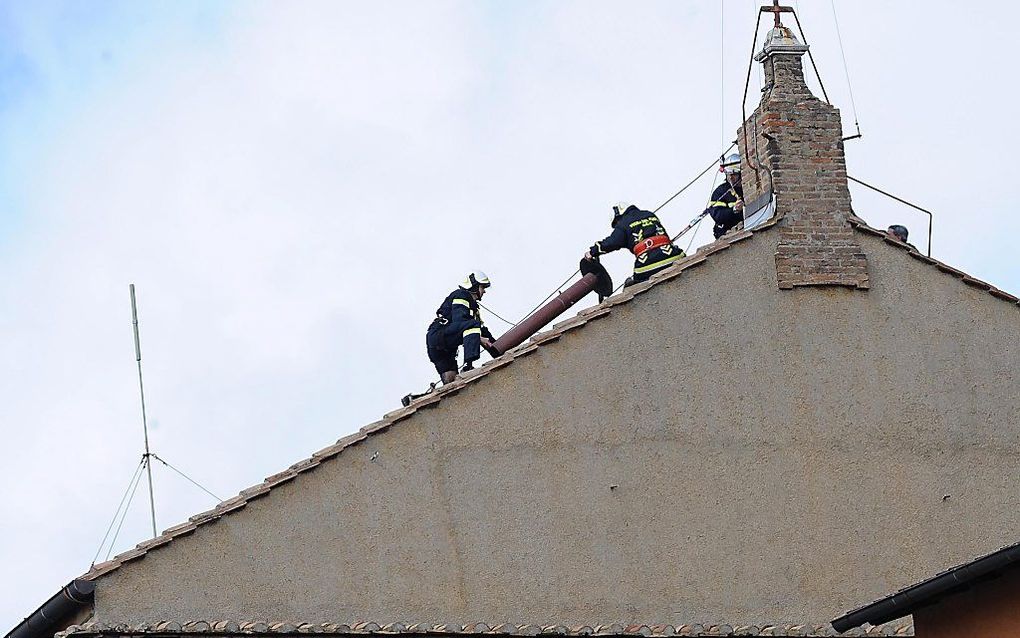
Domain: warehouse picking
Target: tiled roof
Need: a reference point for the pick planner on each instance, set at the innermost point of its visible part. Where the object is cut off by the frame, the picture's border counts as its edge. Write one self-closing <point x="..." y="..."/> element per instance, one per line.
<point x="231" y="628"/>
<point x="862" y="226"/>
<point x="589" y="314"/>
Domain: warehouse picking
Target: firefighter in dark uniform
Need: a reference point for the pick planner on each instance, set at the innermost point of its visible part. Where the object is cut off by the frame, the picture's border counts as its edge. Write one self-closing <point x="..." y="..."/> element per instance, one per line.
<point x="459" y="322"/>
<point x="727" y="205"/>
<point x="642" y="233"/>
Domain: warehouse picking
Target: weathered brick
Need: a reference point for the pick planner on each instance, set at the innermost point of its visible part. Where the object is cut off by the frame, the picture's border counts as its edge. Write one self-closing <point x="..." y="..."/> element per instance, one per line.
<point x="792" y="145"/>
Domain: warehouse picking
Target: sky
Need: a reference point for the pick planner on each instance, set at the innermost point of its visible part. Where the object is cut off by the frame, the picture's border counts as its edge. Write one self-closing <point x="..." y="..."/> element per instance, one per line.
<point x="295" y="186"/>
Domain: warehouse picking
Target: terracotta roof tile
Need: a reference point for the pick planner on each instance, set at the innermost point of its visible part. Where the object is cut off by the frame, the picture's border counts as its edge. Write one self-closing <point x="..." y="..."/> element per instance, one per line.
<point x="202" y="517"/>
<point x="544" y="337"/>
<point x="250" y="493"/>
<point x="925" y="258"/>
<point x="155" y="542"/>
<point x="181" y="528"/>
<point x="231" y="628"/>
<point x="386" y="422"/>
<point x="304" y="465"/>
<point x="1002" y="294"/>
<point x="227" y="507"/>
<point x="228" y="626"/>
<point x="280" y="478"/>
<point x="103" y="568"/>
<point x="949" y="269"/>
<point x="977" y="283"/>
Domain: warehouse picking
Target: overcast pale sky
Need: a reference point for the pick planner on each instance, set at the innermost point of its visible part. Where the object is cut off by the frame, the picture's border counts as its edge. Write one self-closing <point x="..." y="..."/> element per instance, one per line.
<point x="295" y="186"/>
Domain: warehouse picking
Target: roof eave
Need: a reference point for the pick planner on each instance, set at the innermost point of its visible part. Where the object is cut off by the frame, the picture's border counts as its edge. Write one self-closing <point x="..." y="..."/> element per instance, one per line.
<point x="927" y="592"/>
<point x="56" y="613"/>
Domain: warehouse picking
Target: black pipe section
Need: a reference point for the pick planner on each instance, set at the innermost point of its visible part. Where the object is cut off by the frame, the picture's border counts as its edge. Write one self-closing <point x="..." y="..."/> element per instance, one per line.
<point x="595" y="278"/>
<point x="56" y="613"/>
<point x="929" y="591"/>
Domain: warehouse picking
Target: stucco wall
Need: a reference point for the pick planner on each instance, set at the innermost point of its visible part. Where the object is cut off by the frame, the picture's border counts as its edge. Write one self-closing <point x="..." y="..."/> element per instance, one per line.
<point x="778" y="456"/>
<point x="989" y="610"/>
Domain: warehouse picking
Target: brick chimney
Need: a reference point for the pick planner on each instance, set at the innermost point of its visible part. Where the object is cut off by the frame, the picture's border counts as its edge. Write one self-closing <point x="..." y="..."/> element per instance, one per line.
<point x="793" y="145"/>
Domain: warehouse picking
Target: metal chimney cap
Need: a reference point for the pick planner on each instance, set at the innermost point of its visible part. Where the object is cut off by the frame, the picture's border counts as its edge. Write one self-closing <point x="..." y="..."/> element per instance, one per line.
<point x="781" y="40"/>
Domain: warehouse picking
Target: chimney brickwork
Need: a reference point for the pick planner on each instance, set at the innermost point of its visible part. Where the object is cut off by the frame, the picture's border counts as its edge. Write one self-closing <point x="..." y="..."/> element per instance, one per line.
<point x="793" y="144"/>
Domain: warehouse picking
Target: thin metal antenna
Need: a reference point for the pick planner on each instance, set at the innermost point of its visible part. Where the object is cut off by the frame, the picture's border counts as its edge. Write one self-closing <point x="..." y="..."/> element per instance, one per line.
<point x="147" y="457"/>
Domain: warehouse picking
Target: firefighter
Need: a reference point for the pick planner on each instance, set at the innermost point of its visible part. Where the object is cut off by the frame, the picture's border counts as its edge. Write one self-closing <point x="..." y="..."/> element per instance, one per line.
<point x="727" y="205"/>
<point x="642" y="233"/>
<point x="458" y="321"/>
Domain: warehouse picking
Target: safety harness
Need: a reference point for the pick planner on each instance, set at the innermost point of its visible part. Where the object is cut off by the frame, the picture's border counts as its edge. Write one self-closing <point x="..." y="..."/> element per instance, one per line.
<point x="645" y="245"/>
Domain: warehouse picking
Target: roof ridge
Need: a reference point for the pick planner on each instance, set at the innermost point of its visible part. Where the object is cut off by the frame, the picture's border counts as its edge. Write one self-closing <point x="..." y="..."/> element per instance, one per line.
<point x="257" y="627"/>
<point x="862" y="226"/>
<point x="249" y="494"/>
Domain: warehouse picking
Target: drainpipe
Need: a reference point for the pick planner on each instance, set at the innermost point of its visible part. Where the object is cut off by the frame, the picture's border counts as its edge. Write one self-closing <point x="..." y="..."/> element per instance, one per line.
<point x="56" y="613"/>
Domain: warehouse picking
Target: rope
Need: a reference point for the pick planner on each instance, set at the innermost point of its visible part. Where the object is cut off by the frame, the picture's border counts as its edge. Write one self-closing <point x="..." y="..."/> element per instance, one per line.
<point x="846" y="69"/>
<point x="657" y="209"/>
<point x="188" y="478"/>
<point x="691" y="183"/>
<point x="743" y="104"/>
<point x="145" y="462"/>
<point x="696" y="227"/>
<point x="493" y="313"/>
<point x="722" y="73"/>
<point x="550" y="295"/>
<point x="812" y="58"/>
<point x="116" y="513"/>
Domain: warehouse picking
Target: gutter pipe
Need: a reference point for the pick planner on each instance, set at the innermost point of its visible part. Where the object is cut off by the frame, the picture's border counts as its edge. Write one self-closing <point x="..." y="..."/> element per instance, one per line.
<point x="57" y="612"/>
<point x="927" y="592"/>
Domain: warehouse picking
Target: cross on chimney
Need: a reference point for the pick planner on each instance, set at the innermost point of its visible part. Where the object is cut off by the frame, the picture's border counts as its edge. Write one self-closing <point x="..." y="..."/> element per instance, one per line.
<point x="777" y="10"/>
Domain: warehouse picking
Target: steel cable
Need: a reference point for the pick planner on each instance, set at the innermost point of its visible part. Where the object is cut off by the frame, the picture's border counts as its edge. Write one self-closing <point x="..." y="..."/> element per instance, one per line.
<point x="493" y="313"/>
<point x="116" y="513"/>
<point x="186" y="477"/>
<point x="657" y="209"/>
<point x="846" y="69"/>
<point x="113" y="542"/>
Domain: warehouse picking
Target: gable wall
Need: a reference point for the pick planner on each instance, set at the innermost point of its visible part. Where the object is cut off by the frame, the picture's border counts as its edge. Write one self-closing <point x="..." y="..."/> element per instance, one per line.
<point x="777" y="456"/>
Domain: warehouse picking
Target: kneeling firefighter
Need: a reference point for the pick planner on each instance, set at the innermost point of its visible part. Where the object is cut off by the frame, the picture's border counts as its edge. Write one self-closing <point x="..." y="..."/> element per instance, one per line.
<point x="459" y="322"/>
<point x="642" y="233"/>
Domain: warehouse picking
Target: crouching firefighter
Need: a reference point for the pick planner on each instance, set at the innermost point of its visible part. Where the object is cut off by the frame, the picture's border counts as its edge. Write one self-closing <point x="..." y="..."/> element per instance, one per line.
<point x="642" y="233"/>
<point x="458" y="322"/>
<point x="727" y="205"/>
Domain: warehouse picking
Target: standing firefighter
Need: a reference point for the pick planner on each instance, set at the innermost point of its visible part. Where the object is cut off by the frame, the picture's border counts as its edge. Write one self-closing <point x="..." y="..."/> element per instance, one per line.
<point x="727" y="205"/>
<point x="457" y="322"/>
<point x="642" y="233"/>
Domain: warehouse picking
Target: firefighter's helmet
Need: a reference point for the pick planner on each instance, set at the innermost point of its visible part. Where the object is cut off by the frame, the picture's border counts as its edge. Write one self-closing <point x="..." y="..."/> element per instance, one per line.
<point x="619" y="208"/>
<point x="476" y="279"/>
<point x="730" y="164"/>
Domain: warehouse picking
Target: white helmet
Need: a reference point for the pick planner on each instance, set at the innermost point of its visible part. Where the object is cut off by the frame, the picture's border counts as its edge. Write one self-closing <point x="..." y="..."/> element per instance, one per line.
<point x="619" y="208"/>
<point x="730" y="165"/>
<point x="476" y="278"/>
